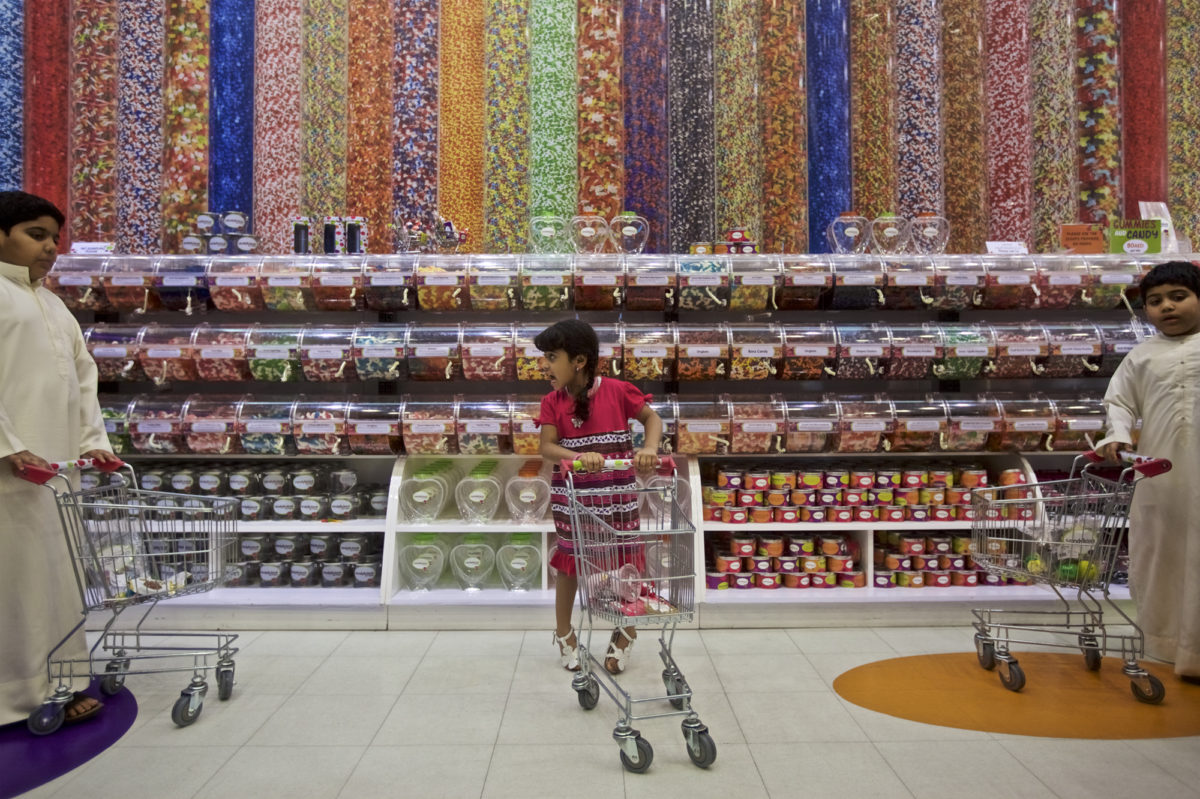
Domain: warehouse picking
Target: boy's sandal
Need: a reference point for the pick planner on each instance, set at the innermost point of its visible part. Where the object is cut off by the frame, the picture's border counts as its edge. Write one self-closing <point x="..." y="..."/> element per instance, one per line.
<point x="568" y="654"/>
<point x="614" y="659"/>
<point x="80" y="698"/>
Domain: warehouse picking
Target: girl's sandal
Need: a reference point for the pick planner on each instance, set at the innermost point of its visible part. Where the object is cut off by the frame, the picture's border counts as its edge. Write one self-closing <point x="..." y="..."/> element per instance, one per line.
<point x="568" y="653"/>
<point x="614" y="659"/>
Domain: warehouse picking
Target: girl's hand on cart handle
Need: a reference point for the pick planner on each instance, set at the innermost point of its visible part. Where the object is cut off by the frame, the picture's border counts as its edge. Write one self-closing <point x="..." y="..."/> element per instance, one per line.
<point x="588" y="462"/>
<point x="646" y="461"/>
<point x="21" y="461"/>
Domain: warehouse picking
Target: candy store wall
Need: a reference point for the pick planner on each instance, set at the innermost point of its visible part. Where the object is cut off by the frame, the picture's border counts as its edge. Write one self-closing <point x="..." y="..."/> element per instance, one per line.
<point x="1007" y="116"/>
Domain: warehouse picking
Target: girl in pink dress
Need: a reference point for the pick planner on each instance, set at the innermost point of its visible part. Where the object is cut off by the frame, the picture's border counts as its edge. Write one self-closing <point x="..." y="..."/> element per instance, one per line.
<point x="586" y="419"/>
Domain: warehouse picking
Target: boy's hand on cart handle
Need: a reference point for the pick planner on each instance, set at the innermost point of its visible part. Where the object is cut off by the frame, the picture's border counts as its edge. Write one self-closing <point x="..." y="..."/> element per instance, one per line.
<point x="20" y="462"/>
<point x="1111" y="452"/>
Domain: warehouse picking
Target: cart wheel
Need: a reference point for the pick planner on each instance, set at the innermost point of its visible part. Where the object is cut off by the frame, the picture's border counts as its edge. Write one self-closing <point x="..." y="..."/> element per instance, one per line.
<point x="986" y="651"/>
<point x="589" y="696"/>
<point x="675" y="687"/>
<point x="224" y="684"/>
<point x="1011" y="676"/>
<point x="1152" y="694"/>
<point x="114" y="677"/>
<point x="181" y="712"/>
<point x="645" y="754"/>
<point x="701" y="749"/>
<point x="46" y="719"/>
<point x="1091" y="652"/>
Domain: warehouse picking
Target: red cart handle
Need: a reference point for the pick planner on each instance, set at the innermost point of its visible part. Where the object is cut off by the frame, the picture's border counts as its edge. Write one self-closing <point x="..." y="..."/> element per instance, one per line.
<point x="613" y="465"/>
<point x="39" y="476"/>
<point x="1147" y="467"/>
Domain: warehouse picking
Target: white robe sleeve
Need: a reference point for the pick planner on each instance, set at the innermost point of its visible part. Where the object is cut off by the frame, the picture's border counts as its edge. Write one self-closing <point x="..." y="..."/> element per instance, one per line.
<point x="10" y="442"/>
<point x="1122" y="405"/>
<point x="92" y="434"/>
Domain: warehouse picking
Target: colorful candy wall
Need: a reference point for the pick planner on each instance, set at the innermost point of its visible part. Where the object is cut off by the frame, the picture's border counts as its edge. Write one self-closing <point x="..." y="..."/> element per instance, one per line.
<point x="1008" y="117"/>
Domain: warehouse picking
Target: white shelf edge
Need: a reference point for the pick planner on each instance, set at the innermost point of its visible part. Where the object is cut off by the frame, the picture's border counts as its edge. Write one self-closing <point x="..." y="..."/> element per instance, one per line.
<point x="783" y="527"/>
<point x="486" y="597"/>
<point x="375" y="525"/>
<point x="870" y="594"/>
<point x="282" y="596"/>
<point x="462" y="526"/>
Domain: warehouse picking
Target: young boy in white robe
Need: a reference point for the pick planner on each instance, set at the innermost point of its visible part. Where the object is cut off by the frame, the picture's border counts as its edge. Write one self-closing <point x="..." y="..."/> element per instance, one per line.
<point x="1159" y="383"/>
<point x="48" y="412"/>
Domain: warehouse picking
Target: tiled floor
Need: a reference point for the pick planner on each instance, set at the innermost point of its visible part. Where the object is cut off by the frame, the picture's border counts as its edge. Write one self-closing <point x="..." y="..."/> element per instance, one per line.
<point x="490" y="714"/>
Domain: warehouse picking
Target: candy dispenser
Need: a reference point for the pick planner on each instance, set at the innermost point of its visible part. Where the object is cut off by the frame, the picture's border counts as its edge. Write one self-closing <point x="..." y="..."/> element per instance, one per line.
<point x="920" y="425"/>
<point x="484" y="426"/>
<point x="1115" y="279"/>
<point x="599" y="282"/>
<point x="703" y="352"/>
<point x="274" y="353"/>
<point x="472" y="562"/>
<point x="546" y="282"/>
<point x="864" y="352"/>
<point x="848" y="233"/>
<point x="759" y="425"/>
<point x="858" y="283"/>
<point x="703" y="426"/>
<point x="864" y="423"/>
<point x="612" y="349"/>
<point x="488" y="352"/>
<point x="531" y="364"/>
<point x="319" y="427"/>
<point x="441" y="282"/>
<point x="811" y="425"/>
<point x="492" y="281"/>
<point x="756" y="351"/>
<point x="76" y="281"/>
<point x="588" y="234"/>
<point x="665" y="408"/>
<point x="127" y="281"/>
<point x="221" y="353"/>
<point x="373" y="426"/>
<point x="115" y="412"/>
<point x="971" y="423"/>
<point x="287" y="284"/>
<point x="429" y="427"/>
<point x="234" y="283"/>
<point x="969" y="350"/>
<point x="1075" y="350"/>
<point x="957" y="283"/>
<point x="915" y="349"/>
<point x="1021" y="350"/>
<point x="525" y="431"/>
<point x="930" y="232"/>
<point x="1078" y="424"/>
<point x="114" y="348"/>
<point x="650" y="283"/>
<point x="1010" y="283"/>
<point x="629" y="232"/>
<point x="180" y="283"/>
<point x="479" y="493"/>
<point x="325" y="354"/>
<point x="338" y="284"/>
<point x="754" y="283"/>
<point x="703" y="282"/>
<point x="165" y="353"/>
<point x="428" y="488"/>
<point x="890" y="235"/>
<point x="1118" y="338"/>
<point x="265" y="426"/>
<point x="809" y="352"/>
<point x="807" y="281"/>
<point x="156" y="425"/>
<point x="1025" y="425"/>
<point x="434" y="352"/>
<point x="379" y="352"/>
<point x="210" y="424"/>
<point x="389" y="283"/>
<point x="548" y="234"/>
<point x="910" y="282"/>
<point x="519" y="561"/>
<point x="1063" y="281"/>
<point x="649" y="353"/>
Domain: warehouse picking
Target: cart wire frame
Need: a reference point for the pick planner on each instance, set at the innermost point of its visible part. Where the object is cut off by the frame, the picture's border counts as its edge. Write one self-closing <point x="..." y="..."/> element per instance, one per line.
<point x="1065" y="534"/>
<point x="131" y="547"/>
<point x="642" y="577"/>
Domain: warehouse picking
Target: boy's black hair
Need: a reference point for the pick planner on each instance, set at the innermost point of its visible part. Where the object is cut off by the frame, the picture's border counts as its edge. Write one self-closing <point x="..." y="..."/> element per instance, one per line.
<point x="18" y="206"/>
<point x="1175" y="273"/>
<point x="575" y="338"/>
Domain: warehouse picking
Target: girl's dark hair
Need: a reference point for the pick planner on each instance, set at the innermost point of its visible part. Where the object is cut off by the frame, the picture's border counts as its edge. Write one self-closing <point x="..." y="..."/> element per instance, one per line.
<point x="1175" y="273"/>
<point x="18" y="206"/>
<point x="575" y="338"/>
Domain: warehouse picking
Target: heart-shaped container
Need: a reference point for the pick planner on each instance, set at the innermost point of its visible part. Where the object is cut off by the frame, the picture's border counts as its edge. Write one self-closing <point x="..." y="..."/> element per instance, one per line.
<point x="548" y="234"/>
<point x="527" y="499"/>
<point x="478" y="498"/>
<point x="890" y="234"/>
<point x="422" y="562"/>
<point x="424" y="494"/>
<point x="519" y="562"/>
<point x="589" y="234"/>
<point x="849" y="234"/>
<point x="629" y="233"/>
<point x="930" y="234"/>
<point x="473" y="561"/>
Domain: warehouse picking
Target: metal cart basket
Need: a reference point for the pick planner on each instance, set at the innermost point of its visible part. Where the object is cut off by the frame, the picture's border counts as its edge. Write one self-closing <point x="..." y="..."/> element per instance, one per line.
<point x="642" y="577"/>
<point x="1064" y="534"/>
<point x="130" y="548"/>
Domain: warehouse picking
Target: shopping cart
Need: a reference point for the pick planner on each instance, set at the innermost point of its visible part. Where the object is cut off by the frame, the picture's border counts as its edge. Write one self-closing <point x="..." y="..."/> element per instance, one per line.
<point x="642" y="577"/>
<point x="135" y="548"/>
<point x="1064" y="534"/>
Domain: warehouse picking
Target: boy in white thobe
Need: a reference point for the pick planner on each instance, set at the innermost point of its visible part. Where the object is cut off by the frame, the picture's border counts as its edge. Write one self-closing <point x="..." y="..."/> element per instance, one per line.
<point x="48" y="412"/>
<point x="1159" y="383"/>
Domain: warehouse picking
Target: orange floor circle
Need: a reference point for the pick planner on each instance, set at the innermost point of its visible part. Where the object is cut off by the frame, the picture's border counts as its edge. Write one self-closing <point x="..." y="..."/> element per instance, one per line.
<point x="1061" y="698"/>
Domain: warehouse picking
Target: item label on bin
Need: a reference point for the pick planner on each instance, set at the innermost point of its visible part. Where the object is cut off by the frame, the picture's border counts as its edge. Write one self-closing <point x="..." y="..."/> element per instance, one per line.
<point x="336" y="280"/>
<point x="374" y="428"/>
<point x="216" y="352"/>
<point x="813" y="426"/>
<point x="128" y="280"/>
<point x="1031" y="425"/>
<point x="976" y="425"/>
<point x="703" y="352"/>
<point x="919" y="351"/>
<point x="110" y="352"/>
<point x="868" y="426"/>
<point x="703" y="427"/>
<point x="487" y="350"/>
<point x="326" y="353"/>
<point x="233" y="280"/>
<point x="349" y="548"/>
<point x="427" y="427"/>
<point x="923" y="425"/>
<point x="74" y="280"/>
<point x="1023" y="349"/>
<point x="1123" y="346"/>
<point x="600" y="279"/>
<point x="529" y="427"/>
<point x="483" y="427"/>
<point x="759" y="351"/>
<point x="154" y="427"/>
<point x="432" y="351"/>
<point x="759" y="427"/>
<point x="309" y="507"/>
<point x="179" y="280"/>
<point x="702" y="280"/>
<point x="649" y="352"/>
<point x="494" y="279"/>
<point x="758" y="280"/>
<point x="651" y="279"/>
<point x="543" y="279"/>
<point x="865" y="350"/>
<point x="440" y="280"/>
<point x="209" y="427"/>
<point x="859" y="279"/>
<point x="1078" y="349"/>
<point x="1085" y="424"/>
<point x="1066" y="279"/>
<point x="283" y="280"/>
<point x="910" y="279"/>
<point x="1013" y="279"/>
<point x="380" y="352"/>
<point x="110" y="426"/>
<point x="318" y="427"/>
<point x="971" y="350"/>
<point x="811" y="352"/>
<point x="963" y="278"/>
<point x="1122" y="278"/>
<point x="389" y="280"/>
<point x="273" y="353"/>
<point x="264" y="427"/>
<point x="808" y="279"/>
<point x="164" y="352"/>
<point x="340" y="507"/>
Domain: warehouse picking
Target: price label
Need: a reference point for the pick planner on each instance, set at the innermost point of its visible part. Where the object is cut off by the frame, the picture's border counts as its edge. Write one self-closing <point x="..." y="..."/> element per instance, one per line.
<point x="374" y="428"/>
<point x="154" y="427"/>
